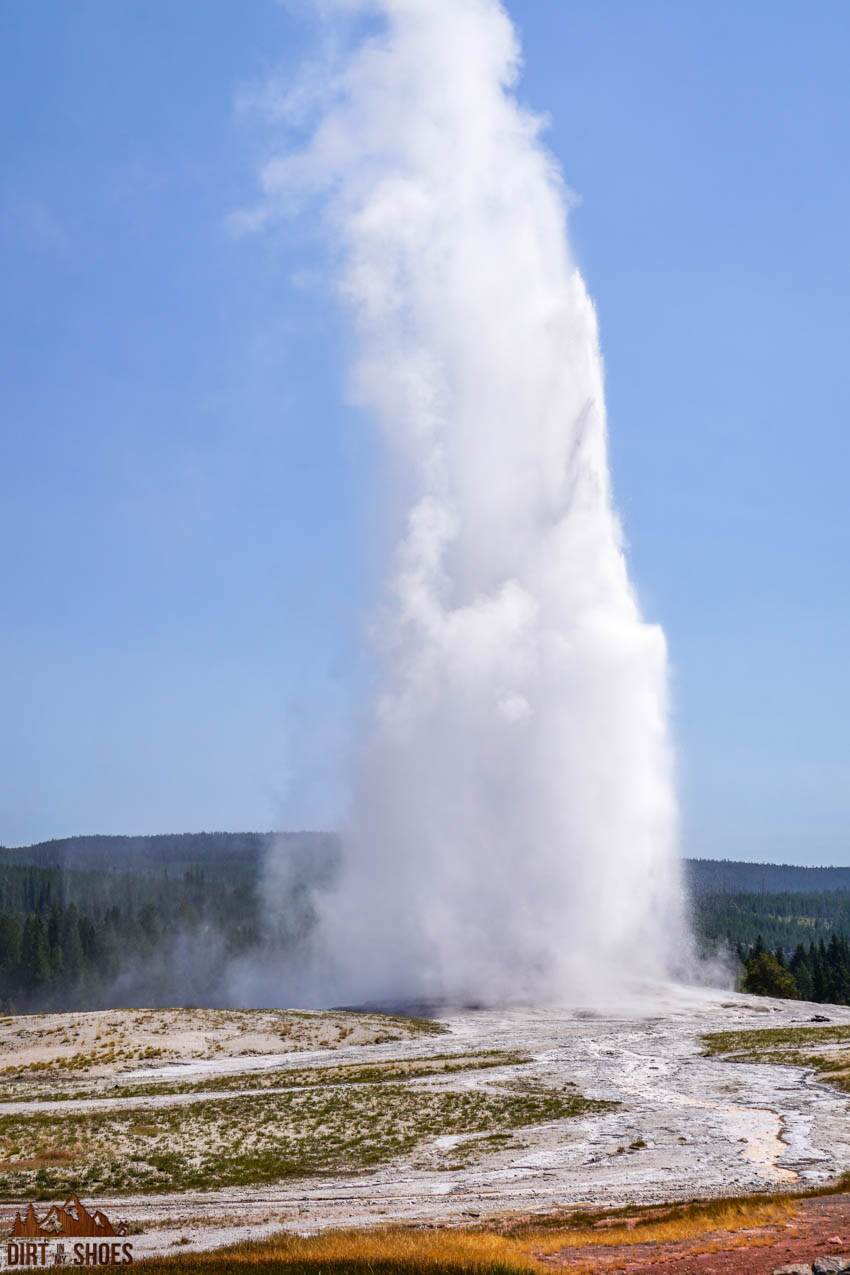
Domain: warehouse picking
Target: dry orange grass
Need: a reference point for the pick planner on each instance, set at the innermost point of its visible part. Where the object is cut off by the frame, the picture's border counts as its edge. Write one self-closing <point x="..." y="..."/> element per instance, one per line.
<point x="668" y="1226"/>
<point x="393" y="1250"/>
<point x="526" y="1248"/>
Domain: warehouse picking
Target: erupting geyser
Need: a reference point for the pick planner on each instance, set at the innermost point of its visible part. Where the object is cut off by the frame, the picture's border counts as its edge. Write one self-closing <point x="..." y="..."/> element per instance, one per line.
<point x="513" y="826"/>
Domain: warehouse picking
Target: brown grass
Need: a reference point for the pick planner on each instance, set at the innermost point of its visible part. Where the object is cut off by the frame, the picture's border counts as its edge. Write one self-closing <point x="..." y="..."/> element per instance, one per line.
<point x="390" y="1251"/>
<point x="670" y="1226"/>
<point x="44" y="1160"/>
<point x="505" y="1249"/>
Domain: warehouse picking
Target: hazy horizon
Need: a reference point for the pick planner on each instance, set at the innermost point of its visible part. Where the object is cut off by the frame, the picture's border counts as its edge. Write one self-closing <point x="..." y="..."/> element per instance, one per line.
<point x="328" y="831"/>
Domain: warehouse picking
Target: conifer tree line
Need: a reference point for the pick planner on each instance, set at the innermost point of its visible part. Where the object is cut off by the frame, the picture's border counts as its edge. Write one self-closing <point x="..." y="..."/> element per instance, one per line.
<point x="788" y="943"/>
<point x="778" y="919"/>
<point x="76" y="940"/>
<point x="92" y="922"/>
<point x="817" y="971"/>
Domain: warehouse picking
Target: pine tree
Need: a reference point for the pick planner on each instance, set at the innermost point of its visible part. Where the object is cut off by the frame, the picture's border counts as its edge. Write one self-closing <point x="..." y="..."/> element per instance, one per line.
<point x="800" y="967"/>
<point x="35" y="955"/>
<point x="764" y="976"/>
<point x="820" y="974"/>
<point x="73" y="958"/>
<point x="10" y="942"/>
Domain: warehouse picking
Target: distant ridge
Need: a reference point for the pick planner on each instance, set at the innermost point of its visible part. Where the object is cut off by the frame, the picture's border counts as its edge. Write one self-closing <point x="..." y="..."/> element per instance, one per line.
<point x="730" y="876"/>
<point x="226" y="853"/>
<point x="219" y="853"/>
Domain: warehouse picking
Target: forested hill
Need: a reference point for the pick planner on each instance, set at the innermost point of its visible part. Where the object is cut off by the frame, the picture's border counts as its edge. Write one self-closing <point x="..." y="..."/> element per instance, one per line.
<point x="728" y="876"/>
<point x="220" y="854"/>
<point x="232" y="854"/>
<point x="87" y="922"/>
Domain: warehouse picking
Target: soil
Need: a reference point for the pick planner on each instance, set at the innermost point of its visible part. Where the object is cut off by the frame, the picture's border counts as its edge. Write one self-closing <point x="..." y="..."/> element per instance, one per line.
<point x="820" y="1228"/>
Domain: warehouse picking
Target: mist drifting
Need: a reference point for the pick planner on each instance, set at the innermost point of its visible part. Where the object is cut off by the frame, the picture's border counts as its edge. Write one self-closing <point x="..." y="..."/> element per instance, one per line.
<point x="513" y="825"/>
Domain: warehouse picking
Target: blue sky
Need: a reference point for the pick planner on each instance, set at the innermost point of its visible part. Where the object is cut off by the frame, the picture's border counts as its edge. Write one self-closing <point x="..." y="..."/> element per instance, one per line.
<point x="188" y="524"/>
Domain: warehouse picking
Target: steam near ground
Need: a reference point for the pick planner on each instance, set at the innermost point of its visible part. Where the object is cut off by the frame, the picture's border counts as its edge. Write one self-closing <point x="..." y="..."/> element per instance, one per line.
<point x="513" y="826"/>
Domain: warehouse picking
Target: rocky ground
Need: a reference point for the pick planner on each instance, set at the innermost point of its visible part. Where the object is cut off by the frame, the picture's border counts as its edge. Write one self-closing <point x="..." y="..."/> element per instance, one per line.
<point x="666" y="1121"/>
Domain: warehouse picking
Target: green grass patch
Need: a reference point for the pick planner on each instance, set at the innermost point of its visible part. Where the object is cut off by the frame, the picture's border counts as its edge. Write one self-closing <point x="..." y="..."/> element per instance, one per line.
<point x="257" y="1138"/>
<point x="756" y="1044"/>
<point x="278" y="1078"/>
<point x="789" y="1047"/>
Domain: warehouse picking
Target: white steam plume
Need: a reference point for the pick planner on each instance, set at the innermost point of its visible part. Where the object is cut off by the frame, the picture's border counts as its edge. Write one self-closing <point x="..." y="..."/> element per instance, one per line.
<point x="513" y="828"/>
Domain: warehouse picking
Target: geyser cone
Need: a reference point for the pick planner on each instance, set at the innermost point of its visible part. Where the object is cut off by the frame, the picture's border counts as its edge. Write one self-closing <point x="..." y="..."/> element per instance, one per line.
<point x="513" y="828"/>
